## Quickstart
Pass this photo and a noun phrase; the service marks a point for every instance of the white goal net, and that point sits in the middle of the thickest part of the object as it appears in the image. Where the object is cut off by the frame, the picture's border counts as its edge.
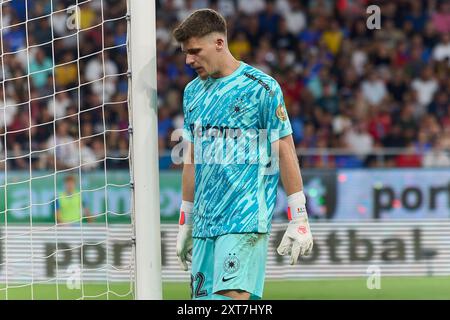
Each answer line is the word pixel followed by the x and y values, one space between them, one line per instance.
pixel 65 213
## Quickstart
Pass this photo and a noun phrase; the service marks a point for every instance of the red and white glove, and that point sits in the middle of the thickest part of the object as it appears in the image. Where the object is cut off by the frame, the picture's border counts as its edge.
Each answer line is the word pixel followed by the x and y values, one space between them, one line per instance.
pixel 184 237
pixel 297 240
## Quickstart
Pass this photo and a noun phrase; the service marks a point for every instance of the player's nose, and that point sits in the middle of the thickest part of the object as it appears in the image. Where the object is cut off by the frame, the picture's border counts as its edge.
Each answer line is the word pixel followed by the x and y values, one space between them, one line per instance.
pixel 189 60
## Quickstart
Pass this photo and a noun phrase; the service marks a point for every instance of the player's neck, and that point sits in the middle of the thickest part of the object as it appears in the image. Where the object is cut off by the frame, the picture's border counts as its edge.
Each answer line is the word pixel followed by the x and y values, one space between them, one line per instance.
pixel 229 65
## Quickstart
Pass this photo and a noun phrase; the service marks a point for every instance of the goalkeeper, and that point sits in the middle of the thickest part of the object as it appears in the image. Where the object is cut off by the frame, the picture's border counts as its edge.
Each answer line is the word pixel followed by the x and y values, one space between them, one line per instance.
pixel 226 212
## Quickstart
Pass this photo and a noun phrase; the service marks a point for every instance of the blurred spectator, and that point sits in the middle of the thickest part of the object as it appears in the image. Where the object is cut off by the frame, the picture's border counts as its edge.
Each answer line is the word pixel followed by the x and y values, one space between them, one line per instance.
pixel 333 37
pixel 321 7
pixel 284 39
pixel 292 87
pixel 185 10
pixel 59 19
pixel 425 87
pixel 437 156
pixel 417 16
pixel 409 159
pixel 441 18
pixel 430 125
pixel 240 46
pixel 441 51
pixel 374 89
pixel 251 7
pixel 295 16
pixel 269 18
pixel 429 35
pixel 87 16
pixel 63 147
pixel 329 100
pixel 379 123
pixel 18 161
pixel 101 70
pixel 14 36
pixel 407 123
pixel 394 138
pixel 40 68
pixel 226 7
pixel 359 59
pixel 311 34
pixel 439 105
pixel 342 122
pixel 98 150
pixel 422 144
pixel 57 107
pixel 358 140
pixel 88 158
pixel 66 72
pixel 8 109
pixel 397 86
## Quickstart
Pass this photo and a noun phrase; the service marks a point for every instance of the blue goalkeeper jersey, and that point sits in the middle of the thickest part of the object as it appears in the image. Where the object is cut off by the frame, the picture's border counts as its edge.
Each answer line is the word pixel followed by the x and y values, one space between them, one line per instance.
pixel 233 122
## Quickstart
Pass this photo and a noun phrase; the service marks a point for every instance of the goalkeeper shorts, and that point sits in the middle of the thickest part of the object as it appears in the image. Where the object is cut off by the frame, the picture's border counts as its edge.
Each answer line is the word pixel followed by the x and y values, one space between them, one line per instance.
pixel 229 262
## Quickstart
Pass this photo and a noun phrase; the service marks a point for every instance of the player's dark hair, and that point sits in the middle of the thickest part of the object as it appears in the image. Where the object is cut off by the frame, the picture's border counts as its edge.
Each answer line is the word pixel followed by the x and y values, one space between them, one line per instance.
pixel 200 23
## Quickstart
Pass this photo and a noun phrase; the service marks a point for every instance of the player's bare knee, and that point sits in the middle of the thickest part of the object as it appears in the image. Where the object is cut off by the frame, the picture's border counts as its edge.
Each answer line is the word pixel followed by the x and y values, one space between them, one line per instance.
pixel 235 294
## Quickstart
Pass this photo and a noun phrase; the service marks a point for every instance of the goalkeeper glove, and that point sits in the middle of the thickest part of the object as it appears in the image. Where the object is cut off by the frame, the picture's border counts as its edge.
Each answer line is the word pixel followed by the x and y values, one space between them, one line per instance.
pixel 297 240
pixel 184 237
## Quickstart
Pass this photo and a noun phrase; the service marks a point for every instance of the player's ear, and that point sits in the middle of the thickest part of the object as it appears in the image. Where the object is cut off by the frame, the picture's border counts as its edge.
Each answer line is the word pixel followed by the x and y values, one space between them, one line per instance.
pixel 220 43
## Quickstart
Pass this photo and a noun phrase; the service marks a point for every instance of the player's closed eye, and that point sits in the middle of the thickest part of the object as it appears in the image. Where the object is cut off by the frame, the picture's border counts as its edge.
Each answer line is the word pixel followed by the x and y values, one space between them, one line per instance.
pixel 192 51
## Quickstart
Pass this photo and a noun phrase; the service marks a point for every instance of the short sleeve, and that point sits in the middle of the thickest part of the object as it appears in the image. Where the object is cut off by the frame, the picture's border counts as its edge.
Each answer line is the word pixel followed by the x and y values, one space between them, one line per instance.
pixel 276 117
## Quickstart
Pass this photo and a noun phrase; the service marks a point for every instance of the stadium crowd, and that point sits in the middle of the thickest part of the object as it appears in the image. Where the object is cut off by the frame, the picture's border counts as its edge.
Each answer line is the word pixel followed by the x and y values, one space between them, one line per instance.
pixel 72 108
pixel 346 87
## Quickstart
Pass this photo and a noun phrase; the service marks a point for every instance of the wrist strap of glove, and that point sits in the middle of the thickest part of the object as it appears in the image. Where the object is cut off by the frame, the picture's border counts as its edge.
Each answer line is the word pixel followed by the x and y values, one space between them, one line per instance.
pixel 296 206
pixel 186 212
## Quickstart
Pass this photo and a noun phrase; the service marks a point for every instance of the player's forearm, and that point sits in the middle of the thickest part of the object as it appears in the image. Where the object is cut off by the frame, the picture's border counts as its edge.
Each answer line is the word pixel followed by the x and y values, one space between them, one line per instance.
pixel 188 176
pixel 188 182
pixel 290 174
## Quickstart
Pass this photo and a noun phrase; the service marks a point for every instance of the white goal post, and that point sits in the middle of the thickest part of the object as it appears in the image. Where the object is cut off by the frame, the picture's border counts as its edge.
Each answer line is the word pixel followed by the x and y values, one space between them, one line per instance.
pixel 144 157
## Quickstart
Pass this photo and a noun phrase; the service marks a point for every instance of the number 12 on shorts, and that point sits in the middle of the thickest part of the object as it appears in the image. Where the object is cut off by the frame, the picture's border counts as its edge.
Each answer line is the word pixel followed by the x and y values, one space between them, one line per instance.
pixel 197 282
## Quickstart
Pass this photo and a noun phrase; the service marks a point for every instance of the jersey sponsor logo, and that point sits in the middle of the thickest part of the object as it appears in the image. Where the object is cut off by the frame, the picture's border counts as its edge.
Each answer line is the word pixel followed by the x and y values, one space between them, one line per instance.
pixel 218 144
pixel 209 130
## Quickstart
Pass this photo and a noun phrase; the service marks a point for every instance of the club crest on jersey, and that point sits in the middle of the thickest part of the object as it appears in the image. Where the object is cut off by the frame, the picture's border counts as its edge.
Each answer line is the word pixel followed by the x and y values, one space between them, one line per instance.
pixel 231 263
pixel 238 104
pixel 281 113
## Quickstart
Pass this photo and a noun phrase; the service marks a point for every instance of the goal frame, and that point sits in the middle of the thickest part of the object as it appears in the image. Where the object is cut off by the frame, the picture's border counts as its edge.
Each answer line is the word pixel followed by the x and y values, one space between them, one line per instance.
pixel 144 148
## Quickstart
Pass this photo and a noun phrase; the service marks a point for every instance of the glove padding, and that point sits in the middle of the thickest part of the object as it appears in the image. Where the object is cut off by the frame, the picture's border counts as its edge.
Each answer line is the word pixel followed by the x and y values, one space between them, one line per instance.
pixel 184 245
pixel 297 240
